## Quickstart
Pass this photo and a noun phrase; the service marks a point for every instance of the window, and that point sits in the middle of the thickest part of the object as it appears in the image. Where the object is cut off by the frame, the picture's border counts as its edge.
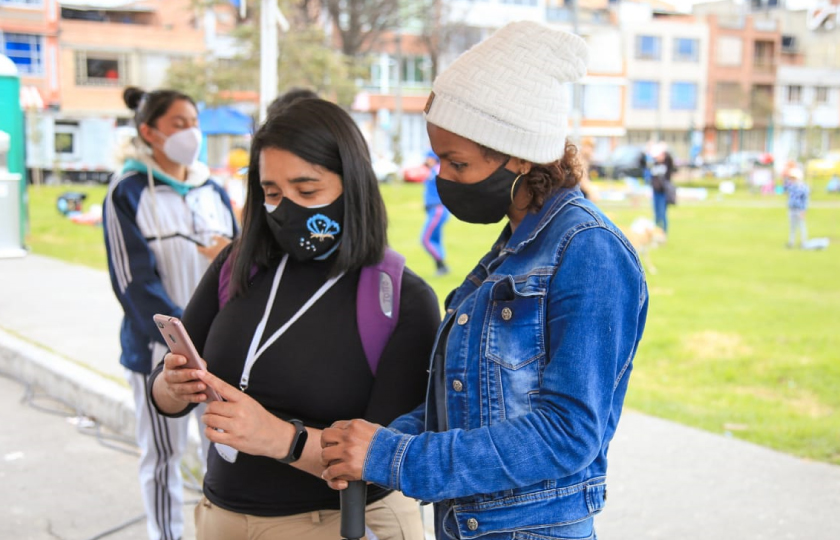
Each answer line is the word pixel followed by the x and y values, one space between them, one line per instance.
pixel 789 44
pixel 728 95
pixel 601 102
pixel 794 94
pixel 65 140
pixel 100 69
pixel 821 95
pixel 645 95
pixel 647 47
pixel 729 51
pixel 683 96
pixel 25 50
pixel 417 70
pixel 686 50
pixel 763 57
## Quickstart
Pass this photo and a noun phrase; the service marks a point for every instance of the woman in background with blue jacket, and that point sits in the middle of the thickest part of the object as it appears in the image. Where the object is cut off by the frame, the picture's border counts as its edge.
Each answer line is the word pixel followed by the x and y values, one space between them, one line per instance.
pixel 532 359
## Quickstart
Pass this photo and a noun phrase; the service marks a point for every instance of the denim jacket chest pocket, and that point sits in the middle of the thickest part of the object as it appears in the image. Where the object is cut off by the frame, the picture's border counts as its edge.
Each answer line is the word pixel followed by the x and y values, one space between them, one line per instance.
pixel 515 346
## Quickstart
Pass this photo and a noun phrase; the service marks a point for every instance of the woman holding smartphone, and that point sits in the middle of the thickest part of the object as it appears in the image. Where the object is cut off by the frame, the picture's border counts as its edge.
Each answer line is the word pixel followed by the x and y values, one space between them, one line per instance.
pixel 283 339
pixel 164 221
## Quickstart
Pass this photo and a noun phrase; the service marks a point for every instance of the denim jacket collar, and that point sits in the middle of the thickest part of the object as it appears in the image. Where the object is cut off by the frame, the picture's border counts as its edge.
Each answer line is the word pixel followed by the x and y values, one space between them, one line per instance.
pixel 533 223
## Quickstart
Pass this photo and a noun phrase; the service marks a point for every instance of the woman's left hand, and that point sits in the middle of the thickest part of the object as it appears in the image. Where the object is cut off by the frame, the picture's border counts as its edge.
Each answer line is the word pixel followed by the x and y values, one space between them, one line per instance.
pixel 212 250
pixel 245 424
pixel 344 450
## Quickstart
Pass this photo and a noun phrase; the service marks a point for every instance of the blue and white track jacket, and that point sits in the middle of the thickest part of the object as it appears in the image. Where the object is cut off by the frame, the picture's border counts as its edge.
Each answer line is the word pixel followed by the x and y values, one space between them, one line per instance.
pixel 151 238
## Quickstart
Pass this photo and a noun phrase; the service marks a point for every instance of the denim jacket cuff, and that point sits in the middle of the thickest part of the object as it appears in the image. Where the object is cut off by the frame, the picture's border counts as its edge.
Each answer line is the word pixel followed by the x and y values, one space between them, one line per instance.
pixel 386 448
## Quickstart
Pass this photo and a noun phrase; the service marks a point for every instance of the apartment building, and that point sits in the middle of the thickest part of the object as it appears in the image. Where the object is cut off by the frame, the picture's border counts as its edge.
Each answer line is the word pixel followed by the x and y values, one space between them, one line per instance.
pixel 80 56
pixel 398 88
pixel 803 117
pixel 667 73
pixel 808 83
pixel 29 37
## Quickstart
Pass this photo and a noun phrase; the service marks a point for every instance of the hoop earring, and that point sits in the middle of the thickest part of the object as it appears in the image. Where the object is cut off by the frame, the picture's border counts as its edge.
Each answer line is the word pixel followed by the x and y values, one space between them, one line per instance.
pixel 513 186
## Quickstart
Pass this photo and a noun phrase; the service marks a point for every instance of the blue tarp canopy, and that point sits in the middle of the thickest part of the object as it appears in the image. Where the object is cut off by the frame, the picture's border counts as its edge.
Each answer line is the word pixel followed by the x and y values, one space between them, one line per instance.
pixel 224 121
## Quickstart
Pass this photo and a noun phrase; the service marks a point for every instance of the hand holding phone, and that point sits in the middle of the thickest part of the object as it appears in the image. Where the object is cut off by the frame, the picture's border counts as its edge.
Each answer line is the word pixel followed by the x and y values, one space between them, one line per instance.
pixel 179 342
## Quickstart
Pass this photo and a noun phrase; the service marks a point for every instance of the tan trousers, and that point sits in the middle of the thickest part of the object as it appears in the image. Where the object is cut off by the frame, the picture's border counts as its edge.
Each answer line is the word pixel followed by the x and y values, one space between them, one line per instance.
pixel 395 517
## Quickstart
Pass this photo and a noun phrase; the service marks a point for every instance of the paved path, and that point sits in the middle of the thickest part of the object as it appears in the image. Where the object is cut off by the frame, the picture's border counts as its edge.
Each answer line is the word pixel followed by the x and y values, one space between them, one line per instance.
pixel 59 326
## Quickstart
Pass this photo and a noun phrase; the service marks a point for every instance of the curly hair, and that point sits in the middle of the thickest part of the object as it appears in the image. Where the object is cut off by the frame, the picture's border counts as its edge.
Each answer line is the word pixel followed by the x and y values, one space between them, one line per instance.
pixel 545 178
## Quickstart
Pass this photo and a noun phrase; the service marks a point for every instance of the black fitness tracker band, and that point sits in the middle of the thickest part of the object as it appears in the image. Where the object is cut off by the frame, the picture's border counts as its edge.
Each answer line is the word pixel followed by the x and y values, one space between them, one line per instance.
pixel 298 442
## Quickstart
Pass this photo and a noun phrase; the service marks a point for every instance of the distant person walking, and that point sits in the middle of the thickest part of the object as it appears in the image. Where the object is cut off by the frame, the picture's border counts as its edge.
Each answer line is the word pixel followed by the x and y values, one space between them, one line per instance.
pixel 660 172
pixel 164 221
pixel 798 195
pixel 436 216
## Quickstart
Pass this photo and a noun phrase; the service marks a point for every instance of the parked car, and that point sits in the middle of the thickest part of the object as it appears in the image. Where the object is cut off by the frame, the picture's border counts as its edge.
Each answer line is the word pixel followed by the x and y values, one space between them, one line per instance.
pixel 827 166
pixel 737 164
pixel 386 171
pixel 624 161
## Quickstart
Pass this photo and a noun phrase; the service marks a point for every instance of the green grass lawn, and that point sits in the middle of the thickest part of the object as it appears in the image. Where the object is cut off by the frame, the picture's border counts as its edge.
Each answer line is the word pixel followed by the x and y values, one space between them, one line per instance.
pixel 742 334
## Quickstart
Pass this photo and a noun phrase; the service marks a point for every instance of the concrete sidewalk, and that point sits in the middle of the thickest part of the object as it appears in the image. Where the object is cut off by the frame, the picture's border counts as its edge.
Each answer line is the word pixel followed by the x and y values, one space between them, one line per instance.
pixel 59 327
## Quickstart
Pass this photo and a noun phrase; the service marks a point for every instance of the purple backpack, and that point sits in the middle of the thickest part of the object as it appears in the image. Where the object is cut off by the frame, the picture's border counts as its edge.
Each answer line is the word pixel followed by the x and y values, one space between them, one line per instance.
pixel 377 302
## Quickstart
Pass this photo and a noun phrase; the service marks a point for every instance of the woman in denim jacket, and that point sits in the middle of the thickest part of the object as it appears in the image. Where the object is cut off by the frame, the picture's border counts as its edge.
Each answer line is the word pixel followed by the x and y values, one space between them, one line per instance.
pixel 532 360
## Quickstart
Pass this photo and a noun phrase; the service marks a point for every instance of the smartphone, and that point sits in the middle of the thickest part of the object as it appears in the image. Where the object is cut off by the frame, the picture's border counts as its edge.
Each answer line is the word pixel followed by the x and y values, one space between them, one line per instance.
pixel 179 342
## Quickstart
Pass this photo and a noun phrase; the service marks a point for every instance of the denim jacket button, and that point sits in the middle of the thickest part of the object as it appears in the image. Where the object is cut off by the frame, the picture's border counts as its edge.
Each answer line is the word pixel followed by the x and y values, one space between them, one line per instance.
pixel 450 310
pixel 462 320
pixel 457 385
pixel 507 314
pixel 472 524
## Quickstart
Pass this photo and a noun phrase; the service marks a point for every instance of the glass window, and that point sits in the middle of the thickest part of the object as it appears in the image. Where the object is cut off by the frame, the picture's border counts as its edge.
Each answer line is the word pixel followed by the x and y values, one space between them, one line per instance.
pixel 100 69
pixel 683 96
pixel 648 47
pixel 728 95
pixel 686 50
pixel 25 50
pixel 601 102
pixel 821 95
pixel 729 51
pixel 645 95
pixel 794 94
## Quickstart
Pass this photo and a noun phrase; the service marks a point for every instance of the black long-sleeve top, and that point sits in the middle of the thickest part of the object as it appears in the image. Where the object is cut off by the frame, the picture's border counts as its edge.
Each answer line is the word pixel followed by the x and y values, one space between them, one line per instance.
pixel 316 372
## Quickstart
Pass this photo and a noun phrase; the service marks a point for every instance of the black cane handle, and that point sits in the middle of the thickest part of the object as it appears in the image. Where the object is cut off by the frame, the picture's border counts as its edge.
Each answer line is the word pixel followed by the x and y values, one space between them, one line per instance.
pixel 353 501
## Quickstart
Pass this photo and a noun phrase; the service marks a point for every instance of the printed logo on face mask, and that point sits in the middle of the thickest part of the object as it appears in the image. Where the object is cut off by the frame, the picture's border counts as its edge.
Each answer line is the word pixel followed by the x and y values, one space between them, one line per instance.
pixel 306 233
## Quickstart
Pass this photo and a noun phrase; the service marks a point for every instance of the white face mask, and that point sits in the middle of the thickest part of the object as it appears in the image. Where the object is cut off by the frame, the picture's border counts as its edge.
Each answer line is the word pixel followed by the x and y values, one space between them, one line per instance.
pixel 184 146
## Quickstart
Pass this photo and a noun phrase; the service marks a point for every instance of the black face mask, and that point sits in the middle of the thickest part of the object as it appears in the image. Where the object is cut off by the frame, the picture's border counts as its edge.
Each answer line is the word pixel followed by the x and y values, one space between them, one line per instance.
pixel 306 233
pixel 483 202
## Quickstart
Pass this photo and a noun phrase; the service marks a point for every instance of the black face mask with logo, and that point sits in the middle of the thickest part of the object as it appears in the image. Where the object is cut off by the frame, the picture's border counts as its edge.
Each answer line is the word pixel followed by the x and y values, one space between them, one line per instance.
pixel 483 202
pixel 306 233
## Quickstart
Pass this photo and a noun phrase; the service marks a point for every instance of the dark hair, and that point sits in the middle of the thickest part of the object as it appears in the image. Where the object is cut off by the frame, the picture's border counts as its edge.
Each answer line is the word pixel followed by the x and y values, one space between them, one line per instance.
pixel 289 97
pixel 545 178
pixel 149 106
pixel 323 134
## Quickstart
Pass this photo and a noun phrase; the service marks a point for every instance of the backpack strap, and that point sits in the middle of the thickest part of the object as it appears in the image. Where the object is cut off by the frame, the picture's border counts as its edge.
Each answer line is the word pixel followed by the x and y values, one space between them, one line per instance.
pixel 378 304
pixel 377 301
pixel 225 273
pixel 224 282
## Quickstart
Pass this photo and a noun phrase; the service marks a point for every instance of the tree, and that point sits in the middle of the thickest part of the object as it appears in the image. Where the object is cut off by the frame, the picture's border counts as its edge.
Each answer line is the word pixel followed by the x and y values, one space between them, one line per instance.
pixel 305 59
pixel 360 23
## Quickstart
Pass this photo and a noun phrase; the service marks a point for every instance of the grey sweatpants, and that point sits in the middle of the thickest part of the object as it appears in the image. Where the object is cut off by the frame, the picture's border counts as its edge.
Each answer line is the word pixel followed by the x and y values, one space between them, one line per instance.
pixel 797 223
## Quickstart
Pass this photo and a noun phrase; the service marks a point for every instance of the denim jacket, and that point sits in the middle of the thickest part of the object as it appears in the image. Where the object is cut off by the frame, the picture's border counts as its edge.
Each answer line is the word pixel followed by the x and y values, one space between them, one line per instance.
pixel 541 342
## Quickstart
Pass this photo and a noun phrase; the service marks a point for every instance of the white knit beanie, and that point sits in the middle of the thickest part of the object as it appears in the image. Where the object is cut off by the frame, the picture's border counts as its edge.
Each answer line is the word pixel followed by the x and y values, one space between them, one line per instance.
pixel 509 92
